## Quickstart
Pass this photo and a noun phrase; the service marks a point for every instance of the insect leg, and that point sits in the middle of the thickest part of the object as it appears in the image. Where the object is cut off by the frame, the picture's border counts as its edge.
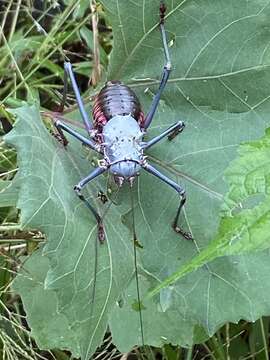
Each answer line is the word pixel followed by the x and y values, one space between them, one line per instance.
pixel 61 126
pixel 149 168
pixel 96 172
pixel 69 72
pixel 172 131
pixel 166 69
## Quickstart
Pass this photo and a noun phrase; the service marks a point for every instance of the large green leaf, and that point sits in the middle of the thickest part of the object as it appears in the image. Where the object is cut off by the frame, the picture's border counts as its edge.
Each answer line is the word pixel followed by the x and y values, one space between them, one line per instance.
pixel 47 175
pixel 220 87
pixel 245 223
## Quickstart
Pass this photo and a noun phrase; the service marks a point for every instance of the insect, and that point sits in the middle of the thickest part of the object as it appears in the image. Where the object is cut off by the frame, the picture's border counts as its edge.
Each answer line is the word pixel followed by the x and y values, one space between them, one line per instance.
pixel 117 132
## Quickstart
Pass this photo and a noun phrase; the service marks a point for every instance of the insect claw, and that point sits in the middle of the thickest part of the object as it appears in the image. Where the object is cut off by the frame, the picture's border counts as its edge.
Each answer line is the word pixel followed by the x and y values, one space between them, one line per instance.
pixel 101 233
pixel 187 235
pixel 162 10
pixel 62 139
pixel 59 136
pixel 176 132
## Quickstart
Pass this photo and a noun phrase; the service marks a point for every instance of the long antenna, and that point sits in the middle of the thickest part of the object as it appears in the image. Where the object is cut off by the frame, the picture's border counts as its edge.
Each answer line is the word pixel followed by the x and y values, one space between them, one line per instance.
pixel 135 241
pixel 97 242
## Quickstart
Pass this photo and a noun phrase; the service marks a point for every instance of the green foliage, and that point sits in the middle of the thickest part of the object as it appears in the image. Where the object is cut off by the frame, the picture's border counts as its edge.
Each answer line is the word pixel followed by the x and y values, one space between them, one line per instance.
pixel 245 222
pixel 33 42
pixel 32 57
pixel 49 327
pixel 48 203
pixel 220 87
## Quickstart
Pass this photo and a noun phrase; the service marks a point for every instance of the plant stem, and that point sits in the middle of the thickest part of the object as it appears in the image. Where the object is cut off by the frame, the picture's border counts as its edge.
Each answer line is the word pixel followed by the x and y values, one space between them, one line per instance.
pixel 264 339
pixel 218 348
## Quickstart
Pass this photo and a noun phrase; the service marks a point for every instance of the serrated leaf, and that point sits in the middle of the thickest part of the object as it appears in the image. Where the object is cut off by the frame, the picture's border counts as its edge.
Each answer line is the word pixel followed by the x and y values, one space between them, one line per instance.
pixel 49 327
pixel 245 225
pixel 47 175
pixel 219 86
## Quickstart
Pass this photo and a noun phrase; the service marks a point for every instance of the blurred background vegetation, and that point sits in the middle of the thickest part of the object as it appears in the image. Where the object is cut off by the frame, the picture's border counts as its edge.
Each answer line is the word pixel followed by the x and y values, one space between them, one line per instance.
pixel 36 37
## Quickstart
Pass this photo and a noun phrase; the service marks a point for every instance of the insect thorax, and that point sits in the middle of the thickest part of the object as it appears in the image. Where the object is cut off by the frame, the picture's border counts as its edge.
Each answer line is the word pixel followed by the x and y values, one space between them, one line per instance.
pixel 122 145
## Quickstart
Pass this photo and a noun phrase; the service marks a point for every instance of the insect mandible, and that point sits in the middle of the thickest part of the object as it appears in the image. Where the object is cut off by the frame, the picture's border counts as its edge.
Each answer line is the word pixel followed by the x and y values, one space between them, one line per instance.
pixel 117 132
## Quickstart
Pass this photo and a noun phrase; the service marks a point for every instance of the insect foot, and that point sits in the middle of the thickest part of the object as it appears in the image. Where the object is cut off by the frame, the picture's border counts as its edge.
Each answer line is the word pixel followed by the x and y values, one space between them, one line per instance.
pixel 58 134
pixel 187 235
pixel 101 233
pixel 162 10
pixel 175 226
pixel 177 131
pixel 59 138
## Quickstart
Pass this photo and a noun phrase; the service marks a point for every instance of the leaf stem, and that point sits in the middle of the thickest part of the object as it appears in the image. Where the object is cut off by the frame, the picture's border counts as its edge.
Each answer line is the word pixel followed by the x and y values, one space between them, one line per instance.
pixel 264 339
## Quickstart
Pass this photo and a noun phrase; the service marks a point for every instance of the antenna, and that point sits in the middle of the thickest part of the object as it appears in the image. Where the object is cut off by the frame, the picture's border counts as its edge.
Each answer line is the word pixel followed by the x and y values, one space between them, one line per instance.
pixel 135 241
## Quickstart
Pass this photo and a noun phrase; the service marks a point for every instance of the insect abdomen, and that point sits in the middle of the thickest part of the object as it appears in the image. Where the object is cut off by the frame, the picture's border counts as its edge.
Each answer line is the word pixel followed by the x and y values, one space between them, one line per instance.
pixel 114 99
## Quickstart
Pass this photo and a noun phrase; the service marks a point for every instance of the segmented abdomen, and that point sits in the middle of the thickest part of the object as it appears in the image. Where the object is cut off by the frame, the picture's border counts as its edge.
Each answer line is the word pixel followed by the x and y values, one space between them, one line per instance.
pixel 115 98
